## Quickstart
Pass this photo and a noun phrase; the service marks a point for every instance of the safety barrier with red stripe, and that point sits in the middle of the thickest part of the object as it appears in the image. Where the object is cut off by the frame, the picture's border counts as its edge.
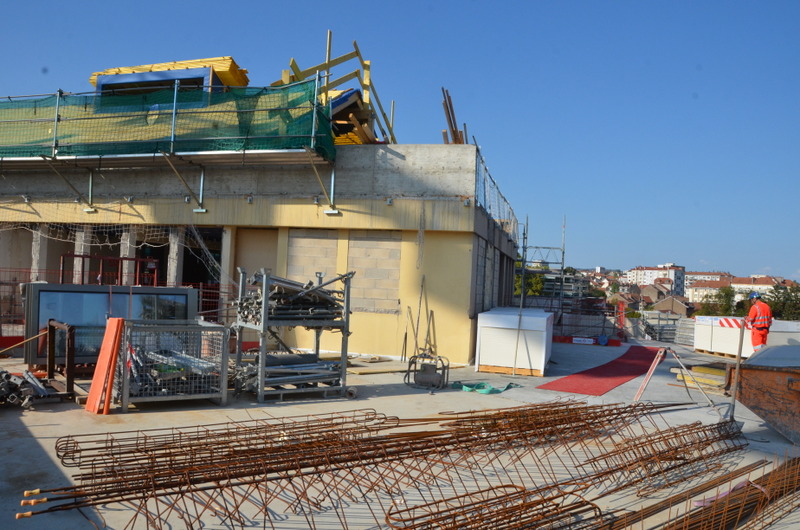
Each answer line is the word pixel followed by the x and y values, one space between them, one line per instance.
pixel 727 322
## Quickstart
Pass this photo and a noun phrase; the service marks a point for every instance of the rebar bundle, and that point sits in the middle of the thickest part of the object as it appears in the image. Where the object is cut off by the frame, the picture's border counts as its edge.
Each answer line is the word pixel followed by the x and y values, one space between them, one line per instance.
pixel 660 458
pixel 750 504
pixel 504 506
pixel 542 465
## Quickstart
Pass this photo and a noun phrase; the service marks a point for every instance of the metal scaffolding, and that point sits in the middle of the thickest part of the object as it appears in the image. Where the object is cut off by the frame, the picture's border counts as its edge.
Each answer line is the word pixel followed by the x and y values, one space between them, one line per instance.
pixel 280 303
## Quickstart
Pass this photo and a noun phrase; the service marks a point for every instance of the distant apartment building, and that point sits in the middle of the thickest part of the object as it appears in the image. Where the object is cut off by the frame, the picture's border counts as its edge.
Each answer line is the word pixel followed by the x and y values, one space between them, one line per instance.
pixel 651 275
pixel 695 276
pixel 701 290
pixel 759 283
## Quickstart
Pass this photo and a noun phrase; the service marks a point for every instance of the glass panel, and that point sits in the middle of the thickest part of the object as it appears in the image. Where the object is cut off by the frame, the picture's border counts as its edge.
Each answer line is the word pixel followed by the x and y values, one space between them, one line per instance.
pixel 75 309
pixel 119 305
pixel 171 307
pixel 143 307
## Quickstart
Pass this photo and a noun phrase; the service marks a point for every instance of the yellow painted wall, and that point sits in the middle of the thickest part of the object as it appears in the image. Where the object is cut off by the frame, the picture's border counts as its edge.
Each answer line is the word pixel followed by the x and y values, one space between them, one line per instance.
pixel 256 248
pixel 437 243
pixel 368 214
pixel 446 259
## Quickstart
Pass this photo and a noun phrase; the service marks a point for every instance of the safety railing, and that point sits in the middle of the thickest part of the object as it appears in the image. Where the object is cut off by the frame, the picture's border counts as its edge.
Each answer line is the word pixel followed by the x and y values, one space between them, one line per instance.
pixel 489 197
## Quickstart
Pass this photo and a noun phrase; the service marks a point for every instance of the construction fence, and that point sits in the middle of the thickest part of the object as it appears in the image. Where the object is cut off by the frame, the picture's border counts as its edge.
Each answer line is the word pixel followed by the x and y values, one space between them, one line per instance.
pixel 489 197
pixel 573 318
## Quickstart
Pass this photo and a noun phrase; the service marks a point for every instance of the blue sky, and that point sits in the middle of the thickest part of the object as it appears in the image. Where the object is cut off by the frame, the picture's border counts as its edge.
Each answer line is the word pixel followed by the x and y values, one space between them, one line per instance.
pixel 662 130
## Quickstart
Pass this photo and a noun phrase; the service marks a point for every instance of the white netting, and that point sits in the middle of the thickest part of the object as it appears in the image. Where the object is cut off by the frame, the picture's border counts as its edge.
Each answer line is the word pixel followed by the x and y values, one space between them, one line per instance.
pixel 211 263
pixel 96 236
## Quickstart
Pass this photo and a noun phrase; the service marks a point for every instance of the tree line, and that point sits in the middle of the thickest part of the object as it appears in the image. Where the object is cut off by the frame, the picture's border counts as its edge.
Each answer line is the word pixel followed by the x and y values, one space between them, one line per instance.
pixel 784 302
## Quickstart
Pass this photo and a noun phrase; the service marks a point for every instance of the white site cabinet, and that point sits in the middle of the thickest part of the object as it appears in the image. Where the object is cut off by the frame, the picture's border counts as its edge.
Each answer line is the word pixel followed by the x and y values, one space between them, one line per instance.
pixel 512 342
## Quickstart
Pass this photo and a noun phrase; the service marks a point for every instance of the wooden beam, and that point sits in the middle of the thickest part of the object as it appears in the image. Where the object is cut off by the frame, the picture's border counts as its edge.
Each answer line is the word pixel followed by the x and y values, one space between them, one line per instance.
pixel 363 132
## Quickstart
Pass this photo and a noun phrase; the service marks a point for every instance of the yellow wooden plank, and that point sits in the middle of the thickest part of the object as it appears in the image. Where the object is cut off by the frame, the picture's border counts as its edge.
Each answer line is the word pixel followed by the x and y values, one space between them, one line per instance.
pixel 357 370
pixel 709 370
pixel 702 380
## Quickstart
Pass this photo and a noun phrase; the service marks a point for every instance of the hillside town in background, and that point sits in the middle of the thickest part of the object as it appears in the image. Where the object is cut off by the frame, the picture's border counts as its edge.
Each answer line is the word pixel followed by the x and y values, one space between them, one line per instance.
pixel 667 288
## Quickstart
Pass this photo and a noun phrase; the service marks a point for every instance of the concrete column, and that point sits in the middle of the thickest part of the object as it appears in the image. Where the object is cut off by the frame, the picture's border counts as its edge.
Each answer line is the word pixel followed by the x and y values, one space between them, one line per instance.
pixel 228 273
pixel 40 245
pixel 177 239
pixel 83 239
pixel 228 256
pixel 6 241
pixel 127 249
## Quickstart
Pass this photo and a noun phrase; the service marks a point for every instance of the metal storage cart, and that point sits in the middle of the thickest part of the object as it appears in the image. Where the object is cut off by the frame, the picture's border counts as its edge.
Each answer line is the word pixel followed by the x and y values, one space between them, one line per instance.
pixel 273 302
pixel 171 360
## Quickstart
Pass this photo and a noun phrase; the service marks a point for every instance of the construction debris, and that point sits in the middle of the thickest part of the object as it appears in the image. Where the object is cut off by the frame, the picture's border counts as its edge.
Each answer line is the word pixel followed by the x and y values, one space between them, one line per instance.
pixel 172 361
pixel 20 390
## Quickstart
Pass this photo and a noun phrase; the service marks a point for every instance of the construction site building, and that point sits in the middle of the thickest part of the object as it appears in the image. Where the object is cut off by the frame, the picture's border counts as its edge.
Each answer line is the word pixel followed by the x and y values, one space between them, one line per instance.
pixel 179 174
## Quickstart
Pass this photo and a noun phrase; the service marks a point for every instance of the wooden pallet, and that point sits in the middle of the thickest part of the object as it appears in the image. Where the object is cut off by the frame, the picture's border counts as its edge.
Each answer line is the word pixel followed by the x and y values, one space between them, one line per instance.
pixel 717 354
pixel 508 370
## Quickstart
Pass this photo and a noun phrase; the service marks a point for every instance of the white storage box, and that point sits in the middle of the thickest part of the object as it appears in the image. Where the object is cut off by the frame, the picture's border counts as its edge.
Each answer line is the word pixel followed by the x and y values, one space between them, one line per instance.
pixel 509 344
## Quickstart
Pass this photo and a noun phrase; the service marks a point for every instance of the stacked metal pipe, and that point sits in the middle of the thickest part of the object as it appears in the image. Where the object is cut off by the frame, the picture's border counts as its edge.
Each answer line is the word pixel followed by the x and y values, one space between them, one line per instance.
pixel 290 300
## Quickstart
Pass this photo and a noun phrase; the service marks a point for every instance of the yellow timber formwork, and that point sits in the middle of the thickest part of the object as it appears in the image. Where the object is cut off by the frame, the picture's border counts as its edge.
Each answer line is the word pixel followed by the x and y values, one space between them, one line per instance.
pixel 224 67
pixel 363 75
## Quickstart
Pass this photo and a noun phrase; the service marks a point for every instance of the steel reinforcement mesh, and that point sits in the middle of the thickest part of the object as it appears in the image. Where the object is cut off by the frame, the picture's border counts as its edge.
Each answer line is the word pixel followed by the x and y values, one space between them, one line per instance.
pixel 189 120
pixel 562 464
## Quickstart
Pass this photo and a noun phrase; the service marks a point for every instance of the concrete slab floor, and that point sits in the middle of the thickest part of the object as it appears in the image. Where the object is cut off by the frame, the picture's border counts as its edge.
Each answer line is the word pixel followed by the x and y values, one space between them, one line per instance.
pixel 28 458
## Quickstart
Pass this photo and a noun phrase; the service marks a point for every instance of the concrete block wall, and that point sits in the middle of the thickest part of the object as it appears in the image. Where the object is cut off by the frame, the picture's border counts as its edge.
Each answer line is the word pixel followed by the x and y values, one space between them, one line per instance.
pixel 311 251
pixel 375 258
pixel 373 255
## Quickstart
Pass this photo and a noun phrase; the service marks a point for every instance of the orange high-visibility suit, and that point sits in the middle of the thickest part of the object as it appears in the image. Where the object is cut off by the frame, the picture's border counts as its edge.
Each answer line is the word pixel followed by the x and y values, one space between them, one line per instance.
pixel 758 320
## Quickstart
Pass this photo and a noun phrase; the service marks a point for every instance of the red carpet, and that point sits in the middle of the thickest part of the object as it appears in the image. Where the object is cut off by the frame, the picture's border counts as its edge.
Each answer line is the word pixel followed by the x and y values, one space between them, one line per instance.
pixel 599 380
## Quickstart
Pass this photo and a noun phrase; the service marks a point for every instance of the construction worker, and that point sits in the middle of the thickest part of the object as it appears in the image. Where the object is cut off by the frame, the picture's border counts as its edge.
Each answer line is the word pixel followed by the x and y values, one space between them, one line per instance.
pixel 758 321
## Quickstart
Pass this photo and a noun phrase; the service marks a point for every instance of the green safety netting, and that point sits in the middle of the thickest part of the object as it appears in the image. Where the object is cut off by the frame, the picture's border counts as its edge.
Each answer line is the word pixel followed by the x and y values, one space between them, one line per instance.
pixel 191 120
